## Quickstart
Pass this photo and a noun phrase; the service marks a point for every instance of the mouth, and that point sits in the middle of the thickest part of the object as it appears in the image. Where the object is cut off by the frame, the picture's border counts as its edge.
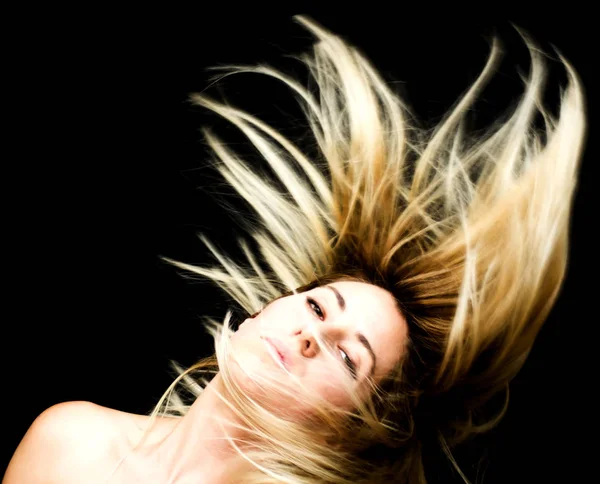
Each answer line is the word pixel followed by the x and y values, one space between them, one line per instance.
pixel 275 353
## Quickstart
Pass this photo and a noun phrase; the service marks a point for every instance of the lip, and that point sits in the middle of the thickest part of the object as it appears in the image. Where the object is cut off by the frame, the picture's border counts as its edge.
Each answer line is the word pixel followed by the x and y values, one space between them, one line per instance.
pixel 280 351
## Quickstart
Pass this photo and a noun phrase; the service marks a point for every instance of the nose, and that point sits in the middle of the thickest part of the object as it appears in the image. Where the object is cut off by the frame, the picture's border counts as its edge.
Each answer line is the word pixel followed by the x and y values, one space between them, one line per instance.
pixel 309 345
pixel 309 348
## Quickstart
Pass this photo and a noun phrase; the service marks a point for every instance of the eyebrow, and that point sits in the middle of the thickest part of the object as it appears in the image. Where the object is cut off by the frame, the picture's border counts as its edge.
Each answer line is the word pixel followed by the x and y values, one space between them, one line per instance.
pixel 361 337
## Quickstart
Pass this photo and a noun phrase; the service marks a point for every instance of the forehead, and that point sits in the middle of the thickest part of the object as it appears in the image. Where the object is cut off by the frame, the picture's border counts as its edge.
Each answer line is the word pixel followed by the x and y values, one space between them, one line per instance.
pixel 374 312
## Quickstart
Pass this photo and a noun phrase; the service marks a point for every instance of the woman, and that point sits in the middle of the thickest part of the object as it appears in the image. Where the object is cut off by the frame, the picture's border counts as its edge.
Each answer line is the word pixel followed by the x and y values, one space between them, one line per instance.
pixel 402 279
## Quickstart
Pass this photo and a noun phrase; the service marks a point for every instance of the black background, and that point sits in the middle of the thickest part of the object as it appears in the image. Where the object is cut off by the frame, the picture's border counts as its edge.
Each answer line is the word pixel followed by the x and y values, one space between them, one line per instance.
pixel 105 171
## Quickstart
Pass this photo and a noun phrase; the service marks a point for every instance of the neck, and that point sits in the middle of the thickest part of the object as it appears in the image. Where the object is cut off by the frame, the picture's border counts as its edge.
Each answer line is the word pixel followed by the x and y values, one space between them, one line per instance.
pixel 198 444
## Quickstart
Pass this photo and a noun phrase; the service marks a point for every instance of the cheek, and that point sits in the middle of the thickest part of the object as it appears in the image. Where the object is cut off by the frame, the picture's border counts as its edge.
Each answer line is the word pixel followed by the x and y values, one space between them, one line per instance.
pixel 251 355
pixel 279 316
pixel 329 384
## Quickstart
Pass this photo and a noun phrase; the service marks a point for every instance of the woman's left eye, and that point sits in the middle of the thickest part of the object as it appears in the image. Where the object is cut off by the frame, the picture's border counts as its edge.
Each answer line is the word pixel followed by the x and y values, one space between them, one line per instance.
pixel 349 363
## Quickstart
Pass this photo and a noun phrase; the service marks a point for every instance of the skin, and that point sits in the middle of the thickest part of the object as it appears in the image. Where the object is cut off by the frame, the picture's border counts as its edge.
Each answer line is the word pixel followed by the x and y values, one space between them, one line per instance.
pixel 192 448
pixel 366 308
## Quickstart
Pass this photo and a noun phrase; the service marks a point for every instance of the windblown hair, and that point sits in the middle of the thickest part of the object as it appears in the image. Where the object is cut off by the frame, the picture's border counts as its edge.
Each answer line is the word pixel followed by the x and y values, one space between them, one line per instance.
pixel 468 233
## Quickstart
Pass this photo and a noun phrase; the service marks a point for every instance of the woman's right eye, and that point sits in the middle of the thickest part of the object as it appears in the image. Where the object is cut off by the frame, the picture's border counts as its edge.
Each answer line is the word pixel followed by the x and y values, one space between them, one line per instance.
pixel 315 308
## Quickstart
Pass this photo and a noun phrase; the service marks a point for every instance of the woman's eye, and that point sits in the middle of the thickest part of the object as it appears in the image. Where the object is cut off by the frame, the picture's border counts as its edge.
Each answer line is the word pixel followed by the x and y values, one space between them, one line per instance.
pixel 351 366
pixel 315 308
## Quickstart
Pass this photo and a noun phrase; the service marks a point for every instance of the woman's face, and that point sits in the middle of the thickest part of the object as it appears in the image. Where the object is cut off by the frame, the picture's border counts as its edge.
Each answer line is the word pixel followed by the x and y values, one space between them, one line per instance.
pixel 358 321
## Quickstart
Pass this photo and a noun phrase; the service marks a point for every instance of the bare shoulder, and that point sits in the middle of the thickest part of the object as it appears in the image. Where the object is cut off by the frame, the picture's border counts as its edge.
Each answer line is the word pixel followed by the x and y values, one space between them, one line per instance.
pixel 63 442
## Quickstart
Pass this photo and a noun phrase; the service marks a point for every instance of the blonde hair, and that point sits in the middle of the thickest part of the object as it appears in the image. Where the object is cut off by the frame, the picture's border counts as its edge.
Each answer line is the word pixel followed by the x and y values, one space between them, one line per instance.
pixel 469 233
